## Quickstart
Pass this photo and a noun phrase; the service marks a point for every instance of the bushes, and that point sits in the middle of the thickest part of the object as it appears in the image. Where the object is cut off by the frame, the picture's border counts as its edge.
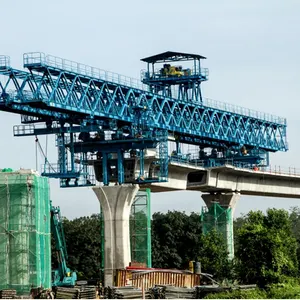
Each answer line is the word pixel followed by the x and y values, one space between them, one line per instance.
pixel 278 291
pixel 239 294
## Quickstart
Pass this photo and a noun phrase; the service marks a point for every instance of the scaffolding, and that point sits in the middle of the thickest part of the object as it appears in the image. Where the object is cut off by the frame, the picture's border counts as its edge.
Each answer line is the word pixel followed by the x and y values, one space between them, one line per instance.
pixel 220 219
pixel 140 229
pixel 25 236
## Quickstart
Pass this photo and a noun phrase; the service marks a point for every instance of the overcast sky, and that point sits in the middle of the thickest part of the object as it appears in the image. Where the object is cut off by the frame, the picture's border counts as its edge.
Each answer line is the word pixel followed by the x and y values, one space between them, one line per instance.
pixel 252 49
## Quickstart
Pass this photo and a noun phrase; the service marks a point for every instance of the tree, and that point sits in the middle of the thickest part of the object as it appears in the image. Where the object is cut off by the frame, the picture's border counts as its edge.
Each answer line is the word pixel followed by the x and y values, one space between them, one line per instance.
pixel 83 245
pixel 214 256
pixel 266 248
pixel 295 222
pixel 177 239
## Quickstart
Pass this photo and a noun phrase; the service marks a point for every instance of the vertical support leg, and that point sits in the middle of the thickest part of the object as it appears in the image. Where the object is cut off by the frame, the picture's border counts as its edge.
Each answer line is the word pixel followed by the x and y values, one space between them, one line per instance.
pixel 142 163
pixel 227 201
pixel 115 203
pixel 121 176
pixel 72 152
pixel 105 168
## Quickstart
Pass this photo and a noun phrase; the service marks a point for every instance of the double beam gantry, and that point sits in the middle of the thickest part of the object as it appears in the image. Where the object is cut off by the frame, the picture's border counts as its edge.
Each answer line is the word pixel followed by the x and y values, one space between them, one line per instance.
pixel 119 131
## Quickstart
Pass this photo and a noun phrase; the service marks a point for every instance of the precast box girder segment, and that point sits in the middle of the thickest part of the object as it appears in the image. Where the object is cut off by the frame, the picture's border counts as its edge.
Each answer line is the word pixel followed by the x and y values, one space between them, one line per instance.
pixel 61 89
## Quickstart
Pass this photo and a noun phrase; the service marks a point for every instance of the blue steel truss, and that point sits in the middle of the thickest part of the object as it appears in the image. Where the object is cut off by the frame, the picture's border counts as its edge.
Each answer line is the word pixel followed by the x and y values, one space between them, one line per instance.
pixel 76 97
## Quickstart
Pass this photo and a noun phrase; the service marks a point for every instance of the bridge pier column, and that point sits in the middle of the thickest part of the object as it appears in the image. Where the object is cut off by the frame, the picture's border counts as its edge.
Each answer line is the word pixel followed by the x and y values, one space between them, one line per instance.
pixel 116 203
pixel 227 201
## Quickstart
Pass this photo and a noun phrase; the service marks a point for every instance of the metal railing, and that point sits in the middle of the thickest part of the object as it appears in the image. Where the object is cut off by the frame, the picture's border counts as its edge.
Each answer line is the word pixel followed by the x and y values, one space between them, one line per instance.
pixel 272 169
pixel 21 130
pixel 158 74
pixel 4 62
pixel 243 111
pixel 56 168
pixel 280 170
pixel 39 58
pixel 186 161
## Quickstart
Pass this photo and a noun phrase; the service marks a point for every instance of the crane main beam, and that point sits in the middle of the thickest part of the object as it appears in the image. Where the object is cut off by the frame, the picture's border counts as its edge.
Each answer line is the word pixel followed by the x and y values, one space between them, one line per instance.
pixel 64 92
pixel 73 101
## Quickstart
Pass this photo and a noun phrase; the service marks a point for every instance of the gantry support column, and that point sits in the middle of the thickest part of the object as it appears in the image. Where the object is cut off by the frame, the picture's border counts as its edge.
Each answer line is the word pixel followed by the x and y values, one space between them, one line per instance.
pixel 228 200
pixel 116 203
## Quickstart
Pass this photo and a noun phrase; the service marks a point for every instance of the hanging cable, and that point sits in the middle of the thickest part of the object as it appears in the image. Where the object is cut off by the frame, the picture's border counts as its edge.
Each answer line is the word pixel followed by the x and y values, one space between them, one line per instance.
pixel 43 153
pixel 36 156
pixel 46 146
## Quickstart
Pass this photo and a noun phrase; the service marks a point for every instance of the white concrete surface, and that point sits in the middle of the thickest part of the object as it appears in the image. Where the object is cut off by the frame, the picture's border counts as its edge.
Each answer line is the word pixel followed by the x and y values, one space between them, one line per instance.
pixel 116 203
pixel 177 179
pixel 222 184
pixel 247 182
pixel 228 200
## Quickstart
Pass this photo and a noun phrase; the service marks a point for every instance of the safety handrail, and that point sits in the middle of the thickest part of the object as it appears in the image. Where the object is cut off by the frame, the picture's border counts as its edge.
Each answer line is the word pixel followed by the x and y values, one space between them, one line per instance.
pixel 276 169
pixel 4 61
pixel 33 58
pixel 145 75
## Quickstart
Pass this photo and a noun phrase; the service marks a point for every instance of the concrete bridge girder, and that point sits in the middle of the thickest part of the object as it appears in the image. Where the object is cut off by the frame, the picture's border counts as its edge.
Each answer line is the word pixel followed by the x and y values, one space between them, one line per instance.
pixel 246 182
pixel 221 184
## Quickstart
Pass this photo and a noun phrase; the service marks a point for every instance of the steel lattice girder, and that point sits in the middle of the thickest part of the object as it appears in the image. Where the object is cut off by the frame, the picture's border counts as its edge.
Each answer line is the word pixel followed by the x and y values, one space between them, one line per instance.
pixel 63 92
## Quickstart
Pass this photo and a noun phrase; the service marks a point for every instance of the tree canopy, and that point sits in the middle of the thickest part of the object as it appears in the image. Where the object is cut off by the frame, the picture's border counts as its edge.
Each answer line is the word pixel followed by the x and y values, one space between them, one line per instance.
pixel 266 248
pixel 267 245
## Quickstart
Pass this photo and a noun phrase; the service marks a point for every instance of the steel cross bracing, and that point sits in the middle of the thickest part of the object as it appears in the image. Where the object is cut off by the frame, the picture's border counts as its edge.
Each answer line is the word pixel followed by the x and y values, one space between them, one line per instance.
pixel 68 92
pixel 56 91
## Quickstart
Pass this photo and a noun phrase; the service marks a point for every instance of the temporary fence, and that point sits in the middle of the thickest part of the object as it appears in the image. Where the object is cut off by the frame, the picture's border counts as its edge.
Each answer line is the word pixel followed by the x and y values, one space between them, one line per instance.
pixel 148 278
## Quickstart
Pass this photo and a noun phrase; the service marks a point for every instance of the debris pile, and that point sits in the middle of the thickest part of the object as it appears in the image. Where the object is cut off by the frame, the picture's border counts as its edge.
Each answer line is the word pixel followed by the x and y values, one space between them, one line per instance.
pixel 126 292
pixel 67 293
pixel 171 292
pixel 87 292
pixel 8 294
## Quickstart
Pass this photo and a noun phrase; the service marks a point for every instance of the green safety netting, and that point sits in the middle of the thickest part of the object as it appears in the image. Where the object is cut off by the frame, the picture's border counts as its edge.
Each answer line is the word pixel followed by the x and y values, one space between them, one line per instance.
pixel 220 219
pixel 140 229
pixel 25 236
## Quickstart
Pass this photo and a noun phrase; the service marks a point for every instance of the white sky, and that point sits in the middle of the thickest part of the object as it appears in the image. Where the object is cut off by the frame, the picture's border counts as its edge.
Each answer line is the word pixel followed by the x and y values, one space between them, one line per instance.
pixel 253 58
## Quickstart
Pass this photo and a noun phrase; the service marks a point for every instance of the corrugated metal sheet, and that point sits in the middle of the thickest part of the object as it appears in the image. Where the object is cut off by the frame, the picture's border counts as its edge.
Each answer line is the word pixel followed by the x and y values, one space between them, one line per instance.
pixel 150 278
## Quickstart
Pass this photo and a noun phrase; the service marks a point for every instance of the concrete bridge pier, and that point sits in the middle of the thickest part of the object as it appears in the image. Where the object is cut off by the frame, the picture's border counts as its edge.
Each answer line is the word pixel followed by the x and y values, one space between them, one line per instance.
pixel 116 203
pixel 226 200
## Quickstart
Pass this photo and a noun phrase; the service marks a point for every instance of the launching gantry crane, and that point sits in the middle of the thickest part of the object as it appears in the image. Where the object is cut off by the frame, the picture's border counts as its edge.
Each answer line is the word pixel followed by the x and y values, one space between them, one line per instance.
pixel 121 128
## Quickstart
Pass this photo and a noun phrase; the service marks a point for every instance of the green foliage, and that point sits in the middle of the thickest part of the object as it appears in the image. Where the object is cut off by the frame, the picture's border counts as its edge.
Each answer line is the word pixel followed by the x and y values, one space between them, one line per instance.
pixel 239 294
pixel 275 291
pixel 286 290
pixel 266 249
pixel 177 239
pixel 295 221
pixel 214 256
pixel 83 246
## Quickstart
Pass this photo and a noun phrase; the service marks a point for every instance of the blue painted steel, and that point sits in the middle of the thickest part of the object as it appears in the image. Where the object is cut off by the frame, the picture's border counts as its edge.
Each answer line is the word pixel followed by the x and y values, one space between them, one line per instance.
pixel 69 97
pixel 67 92
pixel 174 81
pixel 63 276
